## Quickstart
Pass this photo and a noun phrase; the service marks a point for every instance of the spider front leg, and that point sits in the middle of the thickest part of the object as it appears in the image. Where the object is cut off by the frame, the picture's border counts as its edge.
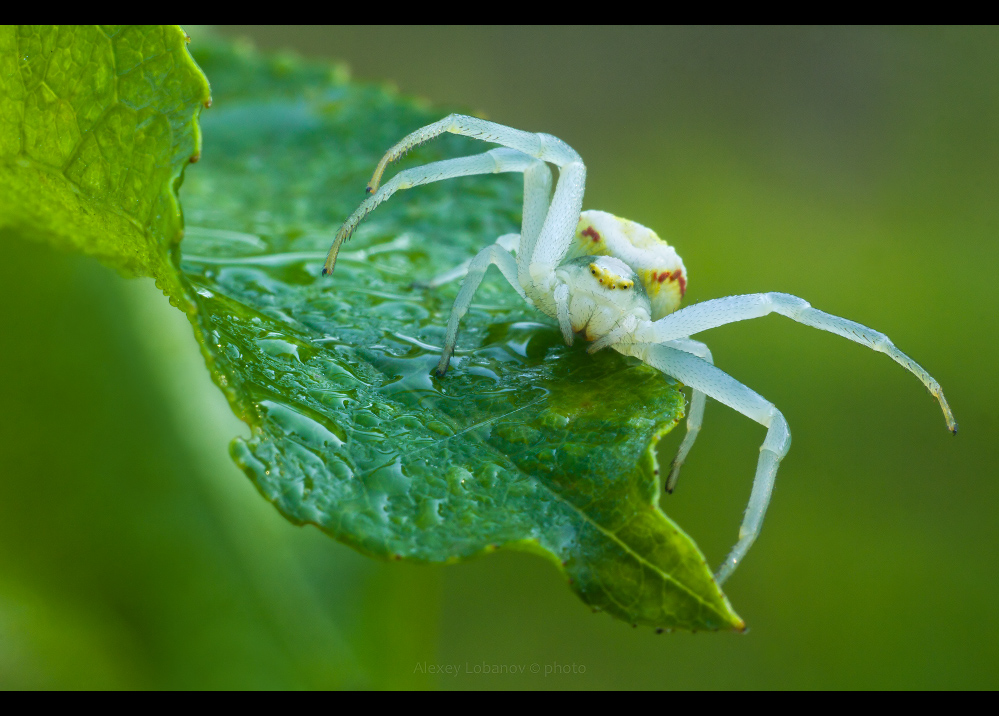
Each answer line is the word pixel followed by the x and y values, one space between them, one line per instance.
pixel 546 233
pixel 495 161
pixel 541 146
pixel 709 380
pixel 559 222
pixel 719 311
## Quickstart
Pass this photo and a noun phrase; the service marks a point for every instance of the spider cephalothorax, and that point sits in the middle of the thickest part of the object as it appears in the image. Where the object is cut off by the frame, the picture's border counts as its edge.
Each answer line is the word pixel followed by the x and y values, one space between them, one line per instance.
pixel 597 303
pixel 615 283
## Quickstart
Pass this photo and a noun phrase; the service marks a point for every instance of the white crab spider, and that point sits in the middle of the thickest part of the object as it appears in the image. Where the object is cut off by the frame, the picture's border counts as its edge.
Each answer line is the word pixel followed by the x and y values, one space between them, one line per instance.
pixel 616 283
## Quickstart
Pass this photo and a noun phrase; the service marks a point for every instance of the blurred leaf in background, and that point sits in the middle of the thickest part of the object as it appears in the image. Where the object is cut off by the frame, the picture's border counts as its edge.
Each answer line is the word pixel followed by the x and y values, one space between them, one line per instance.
pixel 97 126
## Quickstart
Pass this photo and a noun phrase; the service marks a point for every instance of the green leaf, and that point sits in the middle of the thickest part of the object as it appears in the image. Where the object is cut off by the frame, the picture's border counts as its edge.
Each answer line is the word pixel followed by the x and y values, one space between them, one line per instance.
pixel 96 127
pixel 525 444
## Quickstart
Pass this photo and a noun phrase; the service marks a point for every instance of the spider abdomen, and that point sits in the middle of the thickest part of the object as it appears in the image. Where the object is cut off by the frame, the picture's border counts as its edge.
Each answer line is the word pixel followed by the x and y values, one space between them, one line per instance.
pixel 657 265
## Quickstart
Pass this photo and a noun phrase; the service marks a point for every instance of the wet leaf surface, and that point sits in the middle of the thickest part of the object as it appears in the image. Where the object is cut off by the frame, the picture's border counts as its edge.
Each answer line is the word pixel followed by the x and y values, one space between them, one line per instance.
pixel 525 444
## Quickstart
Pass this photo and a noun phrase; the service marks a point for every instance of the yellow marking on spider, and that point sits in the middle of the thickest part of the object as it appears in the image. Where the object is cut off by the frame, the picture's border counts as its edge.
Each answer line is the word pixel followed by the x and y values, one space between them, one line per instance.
pixel 609 279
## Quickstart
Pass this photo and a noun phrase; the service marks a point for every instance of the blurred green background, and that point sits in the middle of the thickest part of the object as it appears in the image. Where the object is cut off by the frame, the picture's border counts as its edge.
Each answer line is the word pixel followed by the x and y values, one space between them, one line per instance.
pixel 856 168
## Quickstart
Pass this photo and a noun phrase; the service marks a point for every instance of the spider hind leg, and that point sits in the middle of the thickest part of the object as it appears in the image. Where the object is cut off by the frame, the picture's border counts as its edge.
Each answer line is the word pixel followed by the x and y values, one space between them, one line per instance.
pixel 705 377
pixel 695 416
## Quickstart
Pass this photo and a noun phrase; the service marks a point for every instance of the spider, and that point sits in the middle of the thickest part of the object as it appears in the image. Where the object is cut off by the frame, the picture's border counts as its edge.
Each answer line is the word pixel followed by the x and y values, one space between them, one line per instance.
pixel 615 283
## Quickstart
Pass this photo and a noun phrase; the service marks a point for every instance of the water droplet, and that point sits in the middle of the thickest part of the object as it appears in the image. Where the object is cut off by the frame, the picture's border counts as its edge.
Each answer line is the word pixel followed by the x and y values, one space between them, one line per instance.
pixel 278 348
pixel 429 514
pixel 306 429
pixel 388 478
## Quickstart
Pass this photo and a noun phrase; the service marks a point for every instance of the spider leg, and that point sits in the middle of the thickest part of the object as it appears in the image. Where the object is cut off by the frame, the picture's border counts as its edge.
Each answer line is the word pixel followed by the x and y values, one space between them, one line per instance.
pixel 544 255
pixel 541 146
pixel 537 197
pixel 556 234
pixel 561 297
pixel 537 194
pixel 507 242
pixel 540 253
pixel 695 417
pixel 706 378
pixel 495 161
pixel 624 327
pixel 558 230
pixel 718 312
pixel 492 254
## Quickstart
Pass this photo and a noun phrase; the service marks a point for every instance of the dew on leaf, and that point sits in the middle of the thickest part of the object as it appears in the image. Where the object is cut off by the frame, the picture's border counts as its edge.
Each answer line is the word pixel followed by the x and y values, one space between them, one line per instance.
pixel 524 443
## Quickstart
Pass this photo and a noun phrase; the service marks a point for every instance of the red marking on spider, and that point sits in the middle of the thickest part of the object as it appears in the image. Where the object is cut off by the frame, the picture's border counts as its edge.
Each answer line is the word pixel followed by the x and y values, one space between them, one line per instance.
pixel 592 233
pixel 673 276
